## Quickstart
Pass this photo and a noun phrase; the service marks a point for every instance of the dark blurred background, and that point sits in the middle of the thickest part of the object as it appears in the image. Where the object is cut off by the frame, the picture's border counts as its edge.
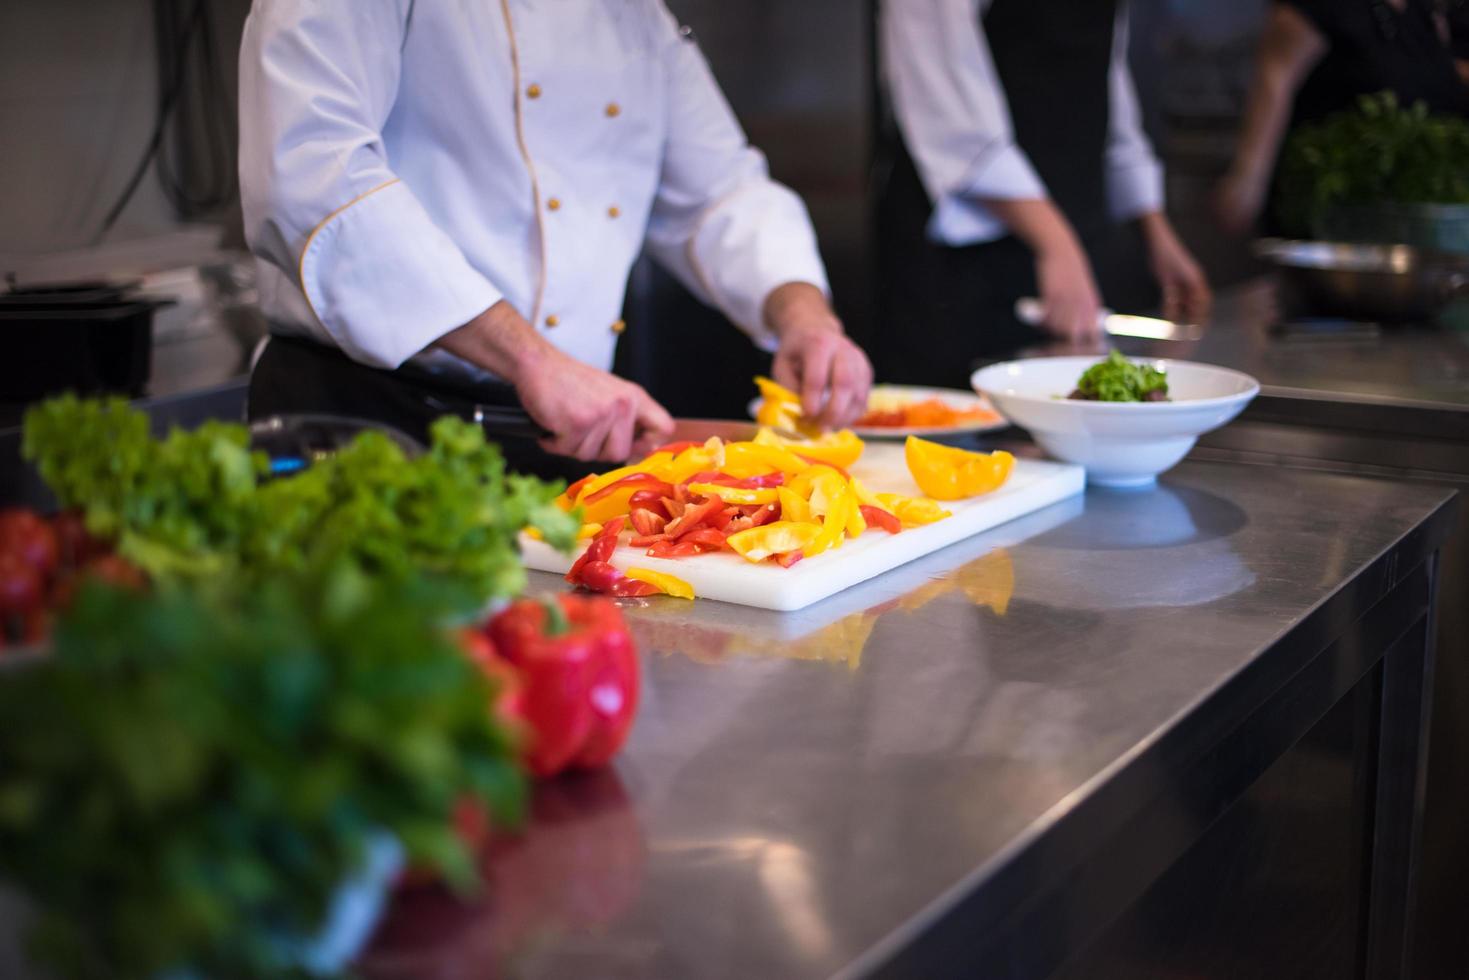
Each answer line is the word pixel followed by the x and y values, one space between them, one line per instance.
pixel 80 101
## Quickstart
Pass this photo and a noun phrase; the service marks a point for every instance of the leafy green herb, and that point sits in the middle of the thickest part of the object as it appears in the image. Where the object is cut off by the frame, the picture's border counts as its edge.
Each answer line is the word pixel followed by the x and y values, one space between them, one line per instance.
pixel 1379 152
pixel 195 506
pixel 189 777
pixel 1119 380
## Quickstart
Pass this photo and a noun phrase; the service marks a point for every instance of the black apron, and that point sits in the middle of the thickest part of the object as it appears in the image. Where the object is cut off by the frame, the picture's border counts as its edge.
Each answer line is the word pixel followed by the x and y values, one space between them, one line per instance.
pixel 298 376
pixel 945 309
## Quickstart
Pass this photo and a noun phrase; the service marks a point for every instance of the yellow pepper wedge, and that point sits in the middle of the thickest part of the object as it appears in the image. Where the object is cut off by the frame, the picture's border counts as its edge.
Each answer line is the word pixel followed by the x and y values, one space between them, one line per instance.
pixel 946 473
pixel 668 584
pixel 759 543
pixel 736 495
pixel 793 506
pixel 837 448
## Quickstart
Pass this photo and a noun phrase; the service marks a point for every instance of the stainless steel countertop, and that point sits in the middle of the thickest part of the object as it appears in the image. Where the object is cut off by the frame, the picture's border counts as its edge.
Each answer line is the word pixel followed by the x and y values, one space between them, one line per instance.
pixel 803 793
pixel 1413 379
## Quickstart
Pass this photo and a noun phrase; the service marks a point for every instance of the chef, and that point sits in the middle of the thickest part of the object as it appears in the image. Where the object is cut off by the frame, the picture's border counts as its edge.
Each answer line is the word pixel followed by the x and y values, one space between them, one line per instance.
pixel 1018 167
pixel 448 197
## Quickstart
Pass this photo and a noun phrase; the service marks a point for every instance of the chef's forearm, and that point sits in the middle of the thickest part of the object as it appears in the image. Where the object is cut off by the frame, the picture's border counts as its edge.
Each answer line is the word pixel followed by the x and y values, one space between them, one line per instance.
pixel 1037 222
pixel 499 340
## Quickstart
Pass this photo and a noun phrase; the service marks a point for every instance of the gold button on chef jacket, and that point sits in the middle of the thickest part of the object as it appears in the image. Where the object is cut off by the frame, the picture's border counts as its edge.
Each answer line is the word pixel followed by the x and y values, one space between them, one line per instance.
pixel 397 181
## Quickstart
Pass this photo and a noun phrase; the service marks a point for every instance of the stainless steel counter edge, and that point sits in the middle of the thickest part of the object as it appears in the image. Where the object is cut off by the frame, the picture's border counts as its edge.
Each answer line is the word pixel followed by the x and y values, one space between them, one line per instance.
pixel 1076 828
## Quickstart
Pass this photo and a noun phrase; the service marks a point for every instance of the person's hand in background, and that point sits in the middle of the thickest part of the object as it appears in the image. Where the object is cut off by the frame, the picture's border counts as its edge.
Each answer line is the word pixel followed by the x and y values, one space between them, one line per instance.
pixel 816 358
pixel 1239 199
pixel 591 415
pixel 1186 295
pixel 1063 275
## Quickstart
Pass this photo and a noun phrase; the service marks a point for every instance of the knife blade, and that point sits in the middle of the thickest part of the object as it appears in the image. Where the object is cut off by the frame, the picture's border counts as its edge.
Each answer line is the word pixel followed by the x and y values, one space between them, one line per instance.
pixel 1031 311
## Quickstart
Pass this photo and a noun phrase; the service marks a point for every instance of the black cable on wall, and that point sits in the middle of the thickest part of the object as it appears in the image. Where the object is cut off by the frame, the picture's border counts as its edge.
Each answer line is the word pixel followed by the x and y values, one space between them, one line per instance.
pixel 191 138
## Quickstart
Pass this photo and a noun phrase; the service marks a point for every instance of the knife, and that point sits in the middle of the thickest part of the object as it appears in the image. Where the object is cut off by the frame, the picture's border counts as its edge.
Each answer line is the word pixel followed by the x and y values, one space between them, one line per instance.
pixel 1031 311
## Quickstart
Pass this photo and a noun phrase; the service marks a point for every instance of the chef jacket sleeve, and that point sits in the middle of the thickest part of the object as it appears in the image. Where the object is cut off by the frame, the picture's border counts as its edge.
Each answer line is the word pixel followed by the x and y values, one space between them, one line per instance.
pixel 317 81
pixel 719 223
pixel 1134 175
pixel 951 110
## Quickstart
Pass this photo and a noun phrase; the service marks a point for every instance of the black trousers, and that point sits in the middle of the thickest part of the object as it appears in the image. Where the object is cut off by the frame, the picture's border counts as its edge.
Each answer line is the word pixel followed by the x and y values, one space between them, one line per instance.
pixel 298 376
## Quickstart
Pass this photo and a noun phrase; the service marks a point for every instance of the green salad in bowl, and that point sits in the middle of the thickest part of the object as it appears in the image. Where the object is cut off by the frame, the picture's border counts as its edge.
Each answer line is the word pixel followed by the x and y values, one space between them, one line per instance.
pixel 1119 380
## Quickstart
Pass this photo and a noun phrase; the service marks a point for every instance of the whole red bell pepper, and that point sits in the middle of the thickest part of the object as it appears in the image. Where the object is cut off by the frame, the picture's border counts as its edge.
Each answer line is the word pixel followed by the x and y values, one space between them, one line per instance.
pixel 579 676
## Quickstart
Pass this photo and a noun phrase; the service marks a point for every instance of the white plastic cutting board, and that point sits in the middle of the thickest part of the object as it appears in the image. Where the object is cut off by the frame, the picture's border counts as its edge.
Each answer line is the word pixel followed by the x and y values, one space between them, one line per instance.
pixel 1033 484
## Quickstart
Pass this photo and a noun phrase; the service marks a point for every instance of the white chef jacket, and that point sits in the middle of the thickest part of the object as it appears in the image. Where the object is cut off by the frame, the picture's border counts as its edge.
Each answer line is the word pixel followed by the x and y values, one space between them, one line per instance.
pixel 951 110
pixel 405 164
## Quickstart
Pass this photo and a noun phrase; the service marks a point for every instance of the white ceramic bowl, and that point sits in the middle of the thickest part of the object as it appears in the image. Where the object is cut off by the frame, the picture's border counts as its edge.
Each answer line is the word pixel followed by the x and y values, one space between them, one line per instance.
pixel 1121 444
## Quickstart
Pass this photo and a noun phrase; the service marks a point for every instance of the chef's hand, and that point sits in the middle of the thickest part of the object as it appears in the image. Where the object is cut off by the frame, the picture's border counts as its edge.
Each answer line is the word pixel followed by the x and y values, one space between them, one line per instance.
pixel 592 415
pixel 1186 295
pixel 815 357
pixel 1068 291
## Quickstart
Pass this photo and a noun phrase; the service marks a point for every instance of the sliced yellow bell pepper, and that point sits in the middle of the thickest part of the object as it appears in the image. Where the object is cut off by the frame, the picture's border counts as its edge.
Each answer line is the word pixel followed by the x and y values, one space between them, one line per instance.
pixel 669 584
pixel 793 506
pixel 837 448
pixel 759 543
pixel 947 473
pixel 867 497
pixel 824 486
pixel 744 459
pixel 780 407
pixel 736 495
pixel 839 510
pixel 912 510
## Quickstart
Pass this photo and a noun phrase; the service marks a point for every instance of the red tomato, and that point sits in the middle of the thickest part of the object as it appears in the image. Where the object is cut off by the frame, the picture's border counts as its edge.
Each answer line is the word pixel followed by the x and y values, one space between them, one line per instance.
pixel 877 517
pixel 21 592
pixel 74 543
pixel 26 534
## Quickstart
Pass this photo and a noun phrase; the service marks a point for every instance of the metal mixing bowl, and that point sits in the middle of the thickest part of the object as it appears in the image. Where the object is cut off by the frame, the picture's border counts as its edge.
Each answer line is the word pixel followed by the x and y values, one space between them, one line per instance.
pixel 1379 282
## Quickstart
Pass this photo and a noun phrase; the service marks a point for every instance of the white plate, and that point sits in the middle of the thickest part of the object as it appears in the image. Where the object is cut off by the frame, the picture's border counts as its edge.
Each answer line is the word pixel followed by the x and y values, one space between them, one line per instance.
pixel 1120 443
pixel 953 397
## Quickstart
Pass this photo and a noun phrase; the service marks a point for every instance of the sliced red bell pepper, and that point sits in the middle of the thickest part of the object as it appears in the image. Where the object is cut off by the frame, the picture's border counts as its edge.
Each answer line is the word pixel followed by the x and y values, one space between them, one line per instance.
pixel 719 520
pixel 694 516
pixel 601 548
pixel 649 500
pixel 789 558
pixel 599 576
pixel 644 481
pixel 673 549
pixel 705 537
pixel 877 517
pixel 764 514
pixel 579 668
pixel 576 487
pixel 647 522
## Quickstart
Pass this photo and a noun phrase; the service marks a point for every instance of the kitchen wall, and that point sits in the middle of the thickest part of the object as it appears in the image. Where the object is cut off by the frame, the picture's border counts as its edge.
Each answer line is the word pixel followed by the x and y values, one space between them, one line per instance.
pixel 78 95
